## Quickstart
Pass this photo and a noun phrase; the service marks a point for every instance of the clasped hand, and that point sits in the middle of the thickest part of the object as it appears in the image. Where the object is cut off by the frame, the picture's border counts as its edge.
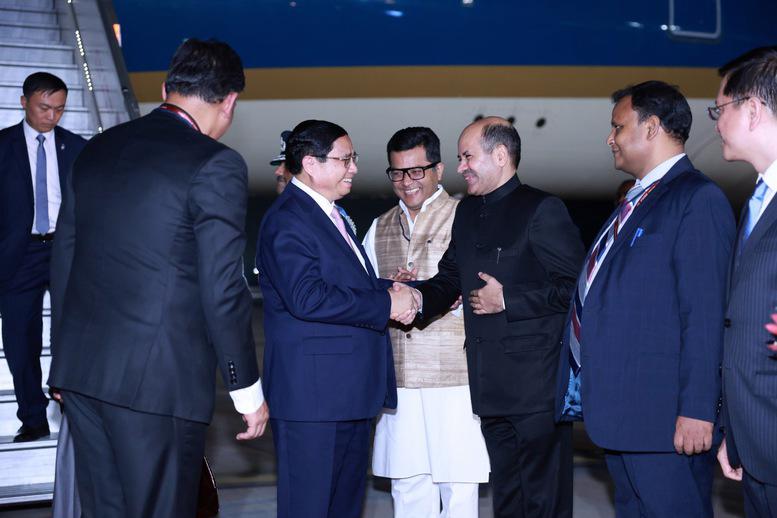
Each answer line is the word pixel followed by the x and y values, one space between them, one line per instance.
pixel 405 303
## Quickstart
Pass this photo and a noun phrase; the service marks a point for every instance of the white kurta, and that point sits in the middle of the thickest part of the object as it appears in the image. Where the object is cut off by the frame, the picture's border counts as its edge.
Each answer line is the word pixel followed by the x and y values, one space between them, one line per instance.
pixel 433 431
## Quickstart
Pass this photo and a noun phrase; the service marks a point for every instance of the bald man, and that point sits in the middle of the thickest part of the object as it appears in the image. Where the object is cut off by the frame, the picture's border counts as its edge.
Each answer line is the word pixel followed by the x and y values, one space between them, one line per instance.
pixel 514 254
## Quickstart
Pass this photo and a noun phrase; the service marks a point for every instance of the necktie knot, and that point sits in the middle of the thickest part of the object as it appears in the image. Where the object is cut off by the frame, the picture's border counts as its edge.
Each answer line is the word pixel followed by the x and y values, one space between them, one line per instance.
pixel 40 138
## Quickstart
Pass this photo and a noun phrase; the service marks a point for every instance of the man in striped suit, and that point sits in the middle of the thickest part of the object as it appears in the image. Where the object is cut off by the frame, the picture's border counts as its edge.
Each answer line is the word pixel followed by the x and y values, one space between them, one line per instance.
pixel 745 112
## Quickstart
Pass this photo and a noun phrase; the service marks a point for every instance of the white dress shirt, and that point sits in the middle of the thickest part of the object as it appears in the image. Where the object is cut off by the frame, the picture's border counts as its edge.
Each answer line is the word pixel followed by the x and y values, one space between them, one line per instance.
pixel 54 190
pixel 769 177
pixel 327 207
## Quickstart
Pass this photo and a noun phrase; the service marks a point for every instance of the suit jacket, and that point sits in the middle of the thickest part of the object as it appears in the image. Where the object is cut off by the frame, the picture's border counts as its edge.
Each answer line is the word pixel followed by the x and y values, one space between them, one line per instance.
pixel 525 239
pixel 148 259
pixel 749 368
pixel 327 354
pixel 17 205
pixel 649 353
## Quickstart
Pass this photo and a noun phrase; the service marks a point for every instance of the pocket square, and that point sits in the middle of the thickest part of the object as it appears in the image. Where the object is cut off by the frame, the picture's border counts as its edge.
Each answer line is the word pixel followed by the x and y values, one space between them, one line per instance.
pixel 637 234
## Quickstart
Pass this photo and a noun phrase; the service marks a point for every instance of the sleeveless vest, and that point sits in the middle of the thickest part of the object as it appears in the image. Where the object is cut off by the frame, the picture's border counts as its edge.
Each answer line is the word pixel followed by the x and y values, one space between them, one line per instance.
pixel 434 356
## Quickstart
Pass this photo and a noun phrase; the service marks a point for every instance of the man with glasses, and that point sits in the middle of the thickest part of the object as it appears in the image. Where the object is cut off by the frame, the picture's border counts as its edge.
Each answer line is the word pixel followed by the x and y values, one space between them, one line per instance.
pixel 745 112
pixel 328 366
pixel 514 254
pixel 431 445
pixel 639 363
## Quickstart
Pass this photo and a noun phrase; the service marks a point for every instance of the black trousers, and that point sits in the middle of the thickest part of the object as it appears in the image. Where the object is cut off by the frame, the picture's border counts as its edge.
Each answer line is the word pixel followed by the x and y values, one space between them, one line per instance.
pixel 531 465
pixel 21 304
pixel 131 464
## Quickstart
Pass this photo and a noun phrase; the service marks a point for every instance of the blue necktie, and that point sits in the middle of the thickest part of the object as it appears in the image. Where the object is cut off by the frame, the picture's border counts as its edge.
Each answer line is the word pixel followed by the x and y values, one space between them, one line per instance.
pixel 754 208
pixel 41 190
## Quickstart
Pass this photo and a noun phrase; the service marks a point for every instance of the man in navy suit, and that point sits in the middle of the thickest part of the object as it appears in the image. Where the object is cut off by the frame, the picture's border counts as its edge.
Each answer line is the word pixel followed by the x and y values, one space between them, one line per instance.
pixel 744 112
pixel 35 159
pixel 328 367
pixel 638 362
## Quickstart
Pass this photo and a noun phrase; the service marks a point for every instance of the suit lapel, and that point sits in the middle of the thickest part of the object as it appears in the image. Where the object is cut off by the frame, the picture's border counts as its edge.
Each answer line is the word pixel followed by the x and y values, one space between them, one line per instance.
pixel 19 145
pixel 642 210
pixel 59 142
pixel 764 223
pixel 324 225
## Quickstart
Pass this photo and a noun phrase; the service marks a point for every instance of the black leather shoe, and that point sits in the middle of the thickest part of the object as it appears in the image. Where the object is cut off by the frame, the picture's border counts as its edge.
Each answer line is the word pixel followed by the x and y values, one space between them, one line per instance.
pixel 30 433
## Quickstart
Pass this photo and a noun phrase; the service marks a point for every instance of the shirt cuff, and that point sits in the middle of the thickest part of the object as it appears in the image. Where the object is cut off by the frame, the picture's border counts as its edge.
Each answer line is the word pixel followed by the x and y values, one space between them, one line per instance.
pixel 248 400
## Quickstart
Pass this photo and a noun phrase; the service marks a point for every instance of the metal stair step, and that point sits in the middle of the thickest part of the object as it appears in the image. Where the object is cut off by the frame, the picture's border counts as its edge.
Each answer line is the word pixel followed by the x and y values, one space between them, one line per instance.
pixel 27 463
pixel 37 52
pixel 30 32
pixel 29 5
pixel 10 94
pixel 26 493
pixel 38 17
pixel 17 71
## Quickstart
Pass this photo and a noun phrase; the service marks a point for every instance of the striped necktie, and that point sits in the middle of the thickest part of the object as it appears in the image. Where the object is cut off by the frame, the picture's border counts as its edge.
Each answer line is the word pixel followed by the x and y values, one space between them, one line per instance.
pixel 633 198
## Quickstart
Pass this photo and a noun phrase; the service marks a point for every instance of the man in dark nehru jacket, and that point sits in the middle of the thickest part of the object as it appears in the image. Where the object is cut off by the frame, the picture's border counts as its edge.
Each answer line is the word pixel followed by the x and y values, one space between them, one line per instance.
pixel 149 258
pixel 35 160
pixel 514 254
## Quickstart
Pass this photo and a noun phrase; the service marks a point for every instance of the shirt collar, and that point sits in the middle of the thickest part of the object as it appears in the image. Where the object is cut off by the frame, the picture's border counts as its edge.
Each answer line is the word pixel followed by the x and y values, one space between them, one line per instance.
pixel 770 176
pixel 31 133
pixel 425 204
pixel 320 200
pixel 500 192
pixel 659 171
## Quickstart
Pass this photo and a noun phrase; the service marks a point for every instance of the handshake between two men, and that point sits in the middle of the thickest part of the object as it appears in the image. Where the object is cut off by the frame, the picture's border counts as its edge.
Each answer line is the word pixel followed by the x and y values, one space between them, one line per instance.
pixel 405 303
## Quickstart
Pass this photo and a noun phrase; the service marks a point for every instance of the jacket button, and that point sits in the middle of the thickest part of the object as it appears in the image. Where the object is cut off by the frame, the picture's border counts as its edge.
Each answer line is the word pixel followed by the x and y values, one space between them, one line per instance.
pixel 410 264
pixel 478 340
pixel 726 322
pixel 407 336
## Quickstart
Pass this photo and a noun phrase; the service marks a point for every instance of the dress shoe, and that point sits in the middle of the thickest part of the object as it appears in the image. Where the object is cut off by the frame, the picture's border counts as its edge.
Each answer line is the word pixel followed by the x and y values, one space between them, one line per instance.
pixel 30 433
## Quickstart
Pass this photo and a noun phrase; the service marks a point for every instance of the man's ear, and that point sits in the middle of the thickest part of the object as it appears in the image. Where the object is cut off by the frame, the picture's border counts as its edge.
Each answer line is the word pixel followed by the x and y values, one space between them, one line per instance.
pixel 755 112
pixel 228 104
pixel 500 155
pixel 164 92
pixel 652 125
pixel 308 164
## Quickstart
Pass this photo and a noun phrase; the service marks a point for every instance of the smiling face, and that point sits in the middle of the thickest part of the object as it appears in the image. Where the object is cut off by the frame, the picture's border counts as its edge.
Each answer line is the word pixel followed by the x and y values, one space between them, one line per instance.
pixel 628 139
pixel 414 192
pixel 44 109
pixel 478 168
pixel 331 178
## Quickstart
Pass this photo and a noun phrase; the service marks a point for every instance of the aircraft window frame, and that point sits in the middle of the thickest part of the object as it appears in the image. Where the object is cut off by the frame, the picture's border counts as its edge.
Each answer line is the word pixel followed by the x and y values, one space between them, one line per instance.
pixel 676 31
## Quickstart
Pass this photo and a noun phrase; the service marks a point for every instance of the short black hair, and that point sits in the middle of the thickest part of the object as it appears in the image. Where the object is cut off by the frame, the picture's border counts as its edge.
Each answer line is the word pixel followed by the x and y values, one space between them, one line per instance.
pixel 210 70
pixel 753 74
pixel 42 82
pixel 506 135
pixel 311 138
pixel 662 100
pixel 410 138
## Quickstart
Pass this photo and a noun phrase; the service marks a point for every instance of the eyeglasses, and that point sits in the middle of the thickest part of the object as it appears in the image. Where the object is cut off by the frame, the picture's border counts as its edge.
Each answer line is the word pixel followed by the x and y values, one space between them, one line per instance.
pixel 346 160
pixel 414 173
pixel 714 111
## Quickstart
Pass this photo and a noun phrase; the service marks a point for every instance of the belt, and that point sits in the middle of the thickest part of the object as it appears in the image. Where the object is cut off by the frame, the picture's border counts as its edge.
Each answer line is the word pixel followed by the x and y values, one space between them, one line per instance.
pixel 42 237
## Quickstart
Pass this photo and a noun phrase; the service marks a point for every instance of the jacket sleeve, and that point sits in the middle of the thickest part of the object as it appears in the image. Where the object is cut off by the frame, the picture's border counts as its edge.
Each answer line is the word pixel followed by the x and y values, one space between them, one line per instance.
pixel 555 241
pixel 217 202
pixel 700 258
pixel 288 257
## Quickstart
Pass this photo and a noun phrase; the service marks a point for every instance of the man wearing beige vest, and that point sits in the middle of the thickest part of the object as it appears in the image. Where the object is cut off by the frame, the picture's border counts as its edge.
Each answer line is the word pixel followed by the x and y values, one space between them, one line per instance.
pixel 431 445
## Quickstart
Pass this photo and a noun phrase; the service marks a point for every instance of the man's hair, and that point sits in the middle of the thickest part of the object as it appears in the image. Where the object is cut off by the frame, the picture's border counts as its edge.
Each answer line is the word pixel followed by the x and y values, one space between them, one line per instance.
pixel 210 70
pixel 311 138
pixel 410 138
pixel 502 134
pixel 662 100
pixel 753 74
pixel 42 82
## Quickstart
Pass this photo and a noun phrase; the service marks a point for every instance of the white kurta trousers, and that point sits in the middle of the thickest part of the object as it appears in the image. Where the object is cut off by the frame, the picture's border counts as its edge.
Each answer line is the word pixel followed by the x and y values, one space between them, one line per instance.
pixel 432 449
